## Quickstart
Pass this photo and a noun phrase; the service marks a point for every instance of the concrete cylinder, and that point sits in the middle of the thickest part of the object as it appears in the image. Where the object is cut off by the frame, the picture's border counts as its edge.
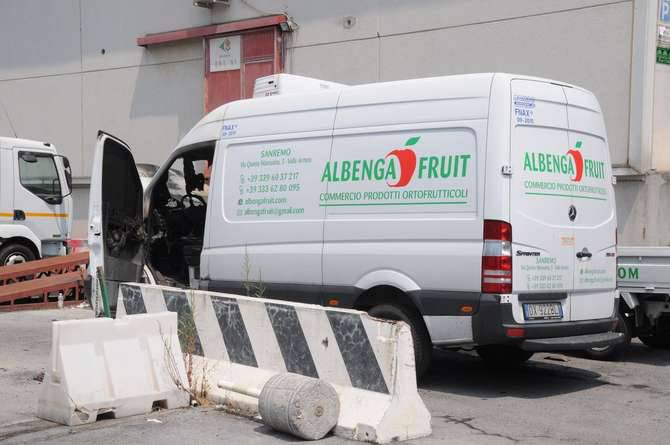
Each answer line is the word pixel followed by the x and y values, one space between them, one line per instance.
pixel 303 406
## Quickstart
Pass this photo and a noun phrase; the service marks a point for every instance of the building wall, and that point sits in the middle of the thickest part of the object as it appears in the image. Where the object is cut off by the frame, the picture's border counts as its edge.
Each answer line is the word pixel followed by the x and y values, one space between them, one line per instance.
pixel 74 67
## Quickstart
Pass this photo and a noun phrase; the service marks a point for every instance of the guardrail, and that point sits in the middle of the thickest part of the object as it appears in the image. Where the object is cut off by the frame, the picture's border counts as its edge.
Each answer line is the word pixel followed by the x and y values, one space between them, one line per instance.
pixel 38 284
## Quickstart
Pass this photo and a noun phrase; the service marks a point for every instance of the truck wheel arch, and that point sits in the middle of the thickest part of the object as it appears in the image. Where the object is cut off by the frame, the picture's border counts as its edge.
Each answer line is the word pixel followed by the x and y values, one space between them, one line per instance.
pixel 22 241
pixel 21 234
pixel 630 300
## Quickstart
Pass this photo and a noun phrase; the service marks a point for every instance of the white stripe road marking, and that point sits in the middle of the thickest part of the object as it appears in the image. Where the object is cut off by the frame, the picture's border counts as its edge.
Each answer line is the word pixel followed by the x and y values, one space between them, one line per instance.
pixel 323 345
pixel 262 335
pixel 208 326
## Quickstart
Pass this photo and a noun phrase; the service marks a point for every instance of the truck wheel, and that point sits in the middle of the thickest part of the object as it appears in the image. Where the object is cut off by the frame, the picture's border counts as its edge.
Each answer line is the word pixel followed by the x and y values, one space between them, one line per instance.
pixel 614 352
pixel 15 254
pixel 503 355
pixel 660 339
pixel 656 342
pixel 423 347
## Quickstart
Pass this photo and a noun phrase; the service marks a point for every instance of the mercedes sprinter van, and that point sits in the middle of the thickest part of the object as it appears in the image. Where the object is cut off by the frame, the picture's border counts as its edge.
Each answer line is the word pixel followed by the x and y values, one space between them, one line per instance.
pixel 477 208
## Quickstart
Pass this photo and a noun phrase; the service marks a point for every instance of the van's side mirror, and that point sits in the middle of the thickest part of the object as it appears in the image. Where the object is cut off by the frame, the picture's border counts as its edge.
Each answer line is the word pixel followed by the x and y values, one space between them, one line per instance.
pixel 28 157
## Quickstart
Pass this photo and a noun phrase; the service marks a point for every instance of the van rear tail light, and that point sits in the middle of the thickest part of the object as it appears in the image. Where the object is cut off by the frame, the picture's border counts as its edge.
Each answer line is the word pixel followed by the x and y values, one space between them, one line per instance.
pixel 497 258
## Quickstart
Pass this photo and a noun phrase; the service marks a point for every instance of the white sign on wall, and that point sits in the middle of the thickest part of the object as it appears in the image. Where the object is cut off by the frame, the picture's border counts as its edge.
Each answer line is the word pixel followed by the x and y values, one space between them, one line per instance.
pixel 224 54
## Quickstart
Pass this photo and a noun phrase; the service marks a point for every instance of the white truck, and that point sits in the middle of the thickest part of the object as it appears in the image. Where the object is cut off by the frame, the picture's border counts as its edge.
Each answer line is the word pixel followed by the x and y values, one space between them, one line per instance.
pixel 35 201
pixel 479 209
pixel 643 275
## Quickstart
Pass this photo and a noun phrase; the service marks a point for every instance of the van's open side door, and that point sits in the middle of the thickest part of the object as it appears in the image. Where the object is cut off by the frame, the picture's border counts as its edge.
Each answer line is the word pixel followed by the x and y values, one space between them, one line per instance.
pixel 115 220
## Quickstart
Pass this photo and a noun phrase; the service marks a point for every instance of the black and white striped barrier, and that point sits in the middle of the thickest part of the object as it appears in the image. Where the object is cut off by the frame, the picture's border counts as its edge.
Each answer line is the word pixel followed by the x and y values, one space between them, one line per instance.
pixel 247 340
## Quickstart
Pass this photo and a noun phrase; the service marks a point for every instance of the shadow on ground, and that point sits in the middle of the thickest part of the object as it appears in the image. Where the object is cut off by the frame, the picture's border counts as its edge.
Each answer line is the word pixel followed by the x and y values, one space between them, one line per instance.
pixel 544 375
pixel 639 353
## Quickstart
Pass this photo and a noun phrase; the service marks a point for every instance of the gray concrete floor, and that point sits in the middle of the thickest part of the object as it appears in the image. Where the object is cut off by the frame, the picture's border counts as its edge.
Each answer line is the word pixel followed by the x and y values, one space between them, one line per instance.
pixel 554 399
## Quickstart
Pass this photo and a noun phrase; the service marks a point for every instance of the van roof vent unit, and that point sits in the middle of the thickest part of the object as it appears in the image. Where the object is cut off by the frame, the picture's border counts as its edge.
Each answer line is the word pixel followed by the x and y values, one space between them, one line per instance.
pixel 282 84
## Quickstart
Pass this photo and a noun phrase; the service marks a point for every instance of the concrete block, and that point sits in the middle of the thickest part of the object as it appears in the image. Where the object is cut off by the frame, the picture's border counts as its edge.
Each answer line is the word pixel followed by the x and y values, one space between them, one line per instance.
pixel 115 367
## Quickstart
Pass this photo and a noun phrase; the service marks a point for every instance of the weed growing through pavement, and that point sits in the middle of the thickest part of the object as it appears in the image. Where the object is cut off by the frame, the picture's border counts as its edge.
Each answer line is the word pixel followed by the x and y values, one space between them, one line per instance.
pixel 252 288
pixel 197 369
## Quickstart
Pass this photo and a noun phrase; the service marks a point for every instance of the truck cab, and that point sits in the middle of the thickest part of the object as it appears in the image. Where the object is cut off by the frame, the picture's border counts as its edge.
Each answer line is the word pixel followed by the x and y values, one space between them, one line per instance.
pixel 35 201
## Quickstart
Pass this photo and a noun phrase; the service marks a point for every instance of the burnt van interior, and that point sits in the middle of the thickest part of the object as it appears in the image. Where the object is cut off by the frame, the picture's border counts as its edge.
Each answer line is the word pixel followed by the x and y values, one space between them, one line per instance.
pixel 176 220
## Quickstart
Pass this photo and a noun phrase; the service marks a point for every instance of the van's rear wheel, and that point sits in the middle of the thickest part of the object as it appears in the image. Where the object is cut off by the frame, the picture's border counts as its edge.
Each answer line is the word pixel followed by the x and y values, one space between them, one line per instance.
pixel 15 254
pixel 503 355
pixel 423 348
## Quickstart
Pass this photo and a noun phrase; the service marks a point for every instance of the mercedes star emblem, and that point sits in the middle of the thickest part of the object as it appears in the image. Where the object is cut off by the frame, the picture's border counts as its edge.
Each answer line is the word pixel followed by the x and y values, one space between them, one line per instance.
pixel 572 213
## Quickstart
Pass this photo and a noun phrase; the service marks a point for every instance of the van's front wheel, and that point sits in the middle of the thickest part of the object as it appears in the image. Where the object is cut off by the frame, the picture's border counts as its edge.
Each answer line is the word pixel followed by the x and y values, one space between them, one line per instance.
pixel 423 348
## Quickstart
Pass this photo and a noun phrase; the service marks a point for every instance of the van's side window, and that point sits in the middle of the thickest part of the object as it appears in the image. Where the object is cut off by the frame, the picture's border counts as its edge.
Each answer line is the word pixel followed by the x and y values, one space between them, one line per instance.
pixel 190 177
pixel 38 174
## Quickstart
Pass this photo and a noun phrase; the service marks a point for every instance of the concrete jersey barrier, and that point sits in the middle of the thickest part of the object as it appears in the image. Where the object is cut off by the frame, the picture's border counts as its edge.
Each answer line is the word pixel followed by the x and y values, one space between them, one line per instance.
pixel 114 367
pixel 369 361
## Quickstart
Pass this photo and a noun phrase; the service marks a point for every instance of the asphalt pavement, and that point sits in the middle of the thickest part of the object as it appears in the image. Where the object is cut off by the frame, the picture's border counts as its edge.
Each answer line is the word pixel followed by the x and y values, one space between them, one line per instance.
pixel 553 399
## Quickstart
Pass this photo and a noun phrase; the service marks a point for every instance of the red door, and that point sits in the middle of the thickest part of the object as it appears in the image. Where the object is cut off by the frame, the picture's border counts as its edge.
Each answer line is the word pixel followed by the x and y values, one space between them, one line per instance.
pixel 254 54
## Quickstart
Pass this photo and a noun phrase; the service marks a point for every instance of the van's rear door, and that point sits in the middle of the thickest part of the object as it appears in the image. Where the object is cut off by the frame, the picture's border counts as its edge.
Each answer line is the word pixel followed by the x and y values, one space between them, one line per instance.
pixel 595 221
pixel 540 202
pixel 115 219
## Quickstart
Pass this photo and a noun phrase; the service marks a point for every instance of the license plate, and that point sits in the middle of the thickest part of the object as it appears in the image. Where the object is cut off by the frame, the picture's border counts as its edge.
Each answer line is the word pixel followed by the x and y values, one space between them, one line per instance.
pixel 542 311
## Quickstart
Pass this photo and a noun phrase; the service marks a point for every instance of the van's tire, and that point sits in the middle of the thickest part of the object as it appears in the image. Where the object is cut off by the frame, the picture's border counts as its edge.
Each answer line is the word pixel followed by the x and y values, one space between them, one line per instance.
pixel 15 254
pixel 614 352
pixel 423 347
pixel 503 355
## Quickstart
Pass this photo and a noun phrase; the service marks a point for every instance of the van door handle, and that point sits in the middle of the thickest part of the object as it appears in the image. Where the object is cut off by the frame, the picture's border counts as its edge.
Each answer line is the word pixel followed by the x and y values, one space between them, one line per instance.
pixel 19 215
pixel 584 254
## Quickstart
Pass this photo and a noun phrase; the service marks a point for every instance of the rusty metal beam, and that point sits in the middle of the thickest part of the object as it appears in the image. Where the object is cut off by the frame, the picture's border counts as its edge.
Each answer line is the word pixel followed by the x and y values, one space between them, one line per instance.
pixel 52 264
pixel 210 30
pixel 31 285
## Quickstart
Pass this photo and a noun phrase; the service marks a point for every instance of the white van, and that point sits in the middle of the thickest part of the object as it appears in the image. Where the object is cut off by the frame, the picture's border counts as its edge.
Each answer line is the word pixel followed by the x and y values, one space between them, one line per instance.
pixel 478 208
pixel 35 201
